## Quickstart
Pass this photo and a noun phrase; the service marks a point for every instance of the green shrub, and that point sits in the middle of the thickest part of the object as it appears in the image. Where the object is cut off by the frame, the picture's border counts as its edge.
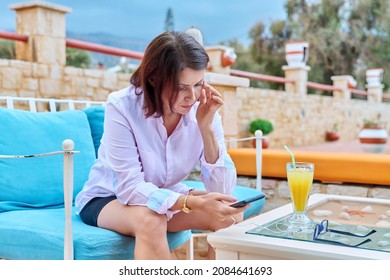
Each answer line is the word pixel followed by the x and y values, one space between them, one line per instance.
pixel 259 124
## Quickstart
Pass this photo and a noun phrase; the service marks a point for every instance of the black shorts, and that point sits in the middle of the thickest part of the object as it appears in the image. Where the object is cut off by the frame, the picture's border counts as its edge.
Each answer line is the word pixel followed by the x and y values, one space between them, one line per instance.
pixel 90 212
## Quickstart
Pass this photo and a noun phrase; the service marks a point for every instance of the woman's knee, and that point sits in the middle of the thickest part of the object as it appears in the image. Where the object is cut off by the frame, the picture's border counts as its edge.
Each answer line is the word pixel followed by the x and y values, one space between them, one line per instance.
pixel 150 223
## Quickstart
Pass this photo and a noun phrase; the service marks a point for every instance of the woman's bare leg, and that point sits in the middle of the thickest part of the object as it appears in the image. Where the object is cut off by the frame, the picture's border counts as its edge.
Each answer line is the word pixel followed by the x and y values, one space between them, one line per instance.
pixel 148 227
pixel 201 221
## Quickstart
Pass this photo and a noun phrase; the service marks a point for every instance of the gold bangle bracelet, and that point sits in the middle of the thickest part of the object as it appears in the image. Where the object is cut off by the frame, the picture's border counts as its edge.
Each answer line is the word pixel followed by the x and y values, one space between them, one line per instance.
pixel 185 208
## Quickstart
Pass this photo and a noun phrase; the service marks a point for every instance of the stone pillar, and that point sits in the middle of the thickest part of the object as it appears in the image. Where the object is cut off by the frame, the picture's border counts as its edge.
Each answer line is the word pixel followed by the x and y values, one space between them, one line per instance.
pixel 344 83
pixel 221 58
pixel 298 74
pixel 44 23
pixel 375 93
pixel 227 86
pixel 374 77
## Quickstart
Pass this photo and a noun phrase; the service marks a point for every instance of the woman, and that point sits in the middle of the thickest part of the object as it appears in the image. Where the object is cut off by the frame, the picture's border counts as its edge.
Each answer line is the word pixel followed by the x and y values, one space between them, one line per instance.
pixel 155 132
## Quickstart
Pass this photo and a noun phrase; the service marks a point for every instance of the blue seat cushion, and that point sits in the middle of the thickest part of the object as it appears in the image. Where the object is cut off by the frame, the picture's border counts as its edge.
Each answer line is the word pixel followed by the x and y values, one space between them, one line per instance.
pixel 39 235
pixel 38 182
pixel 240 193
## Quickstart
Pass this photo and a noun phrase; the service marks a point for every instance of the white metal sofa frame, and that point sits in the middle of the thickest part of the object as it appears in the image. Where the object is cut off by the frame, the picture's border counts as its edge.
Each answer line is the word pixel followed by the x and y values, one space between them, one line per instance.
pixel 68 152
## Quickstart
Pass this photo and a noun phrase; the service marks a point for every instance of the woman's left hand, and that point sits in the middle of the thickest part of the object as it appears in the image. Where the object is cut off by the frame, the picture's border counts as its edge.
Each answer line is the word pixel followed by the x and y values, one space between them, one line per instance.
pixel 210 101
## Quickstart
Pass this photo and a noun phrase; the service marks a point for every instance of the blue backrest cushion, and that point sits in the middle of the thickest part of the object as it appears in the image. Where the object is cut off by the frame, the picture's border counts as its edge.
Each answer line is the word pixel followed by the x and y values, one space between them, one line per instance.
pixel 38 182
pixel 95 115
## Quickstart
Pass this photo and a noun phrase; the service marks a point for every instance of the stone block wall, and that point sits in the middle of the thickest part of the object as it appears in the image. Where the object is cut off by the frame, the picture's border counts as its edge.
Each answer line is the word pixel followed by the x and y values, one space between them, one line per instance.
pixel 28 79
pixel 303 120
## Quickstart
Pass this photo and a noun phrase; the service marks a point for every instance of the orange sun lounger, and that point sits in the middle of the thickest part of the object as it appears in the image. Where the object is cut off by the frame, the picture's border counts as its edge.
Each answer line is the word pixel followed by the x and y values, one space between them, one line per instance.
pixel 329 166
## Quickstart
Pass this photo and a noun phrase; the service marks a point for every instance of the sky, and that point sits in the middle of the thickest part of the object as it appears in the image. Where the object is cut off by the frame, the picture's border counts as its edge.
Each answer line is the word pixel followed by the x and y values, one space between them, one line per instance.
pixel 142 20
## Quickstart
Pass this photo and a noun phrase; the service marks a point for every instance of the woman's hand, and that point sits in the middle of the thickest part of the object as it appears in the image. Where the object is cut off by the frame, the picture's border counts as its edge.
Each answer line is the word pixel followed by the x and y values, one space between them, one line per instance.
pixel 210 101
pixel 215 204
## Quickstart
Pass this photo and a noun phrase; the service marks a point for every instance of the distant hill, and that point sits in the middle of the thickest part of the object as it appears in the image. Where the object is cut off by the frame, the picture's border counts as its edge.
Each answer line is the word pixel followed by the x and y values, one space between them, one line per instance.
pixel 109 40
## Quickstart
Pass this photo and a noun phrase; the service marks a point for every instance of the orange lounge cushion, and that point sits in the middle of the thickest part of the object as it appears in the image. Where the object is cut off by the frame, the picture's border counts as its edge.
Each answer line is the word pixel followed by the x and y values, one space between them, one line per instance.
pixel 333 167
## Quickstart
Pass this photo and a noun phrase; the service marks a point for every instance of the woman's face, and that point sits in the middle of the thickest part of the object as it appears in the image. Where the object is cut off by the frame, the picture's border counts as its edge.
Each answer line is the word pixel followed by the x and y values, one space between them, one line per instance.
pixel 189 89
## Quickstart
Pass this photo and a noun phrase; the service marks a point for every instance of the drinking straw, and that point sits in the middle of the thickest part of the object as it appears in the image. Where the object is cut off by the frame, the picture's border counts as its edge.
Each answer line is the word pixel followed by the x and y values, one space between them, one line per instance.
pixel 291 154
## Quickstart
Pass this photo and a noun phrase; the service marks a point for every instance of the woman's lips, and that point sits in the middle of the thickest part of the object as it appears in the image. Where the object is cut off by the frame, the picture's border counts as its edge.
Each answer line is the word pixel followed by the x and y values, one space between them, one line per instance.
pixel 187 106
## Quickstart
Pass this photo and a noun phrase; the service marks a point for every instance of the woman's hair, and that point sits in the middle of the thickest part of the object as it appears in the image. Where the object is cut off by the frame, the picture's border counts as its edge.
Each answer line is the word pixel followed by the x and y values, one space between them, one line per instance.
pixel 165 57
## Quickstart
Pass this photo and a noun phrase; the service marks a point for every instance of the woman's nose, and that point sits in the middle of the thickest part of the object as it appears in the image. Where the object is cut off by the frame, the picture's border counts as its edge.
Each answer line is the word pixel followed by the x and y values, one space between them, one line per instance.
pixel 191 94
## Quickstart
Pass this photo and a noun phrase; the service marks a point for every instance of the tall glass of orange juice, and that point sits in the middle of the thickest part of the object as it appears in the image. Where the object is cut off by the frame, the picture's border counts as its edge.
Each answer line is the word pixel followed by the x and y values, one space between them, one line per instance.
pixel 300 179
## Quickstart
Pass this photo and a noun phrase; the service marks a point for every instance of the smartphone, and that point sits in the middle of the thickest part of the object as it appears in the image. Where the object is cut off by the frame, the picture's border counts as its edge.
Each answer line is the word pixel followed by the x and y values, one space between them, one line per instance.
pixel 244 202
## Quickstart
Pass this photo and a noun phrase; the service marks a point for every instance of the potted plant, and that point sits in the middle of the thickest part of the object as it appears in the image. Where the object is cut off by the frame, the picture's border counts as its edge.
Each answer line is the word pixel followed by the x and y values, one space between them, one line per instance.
pixel 265 126
pixel 373 136
pixel 332 134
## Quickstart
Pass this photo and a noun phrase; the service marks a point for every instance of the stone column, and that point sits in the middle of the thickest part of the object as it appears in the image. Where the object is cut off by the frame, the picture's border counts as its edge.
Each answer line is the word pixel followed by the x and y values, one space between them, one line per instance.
pixel 344 83
pixel 298 74
pixel 44 23
pixel 227 86
pixel 375 93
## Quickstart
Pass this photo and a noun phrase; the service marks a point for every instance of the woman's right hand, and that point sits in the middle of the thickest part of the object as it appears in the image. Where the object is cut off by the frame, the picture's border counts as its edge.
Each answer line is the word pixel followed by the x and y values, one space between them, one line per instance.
pixel 215 204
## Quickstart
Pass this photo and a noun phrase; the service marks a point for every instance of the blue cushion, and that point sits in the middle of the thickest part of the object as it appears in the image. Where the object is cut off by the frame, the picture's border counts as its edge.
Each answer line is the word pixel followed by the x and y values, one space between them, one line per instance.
pixel 240 193
pixel 95 115
pixel 38 182
pixel 39 235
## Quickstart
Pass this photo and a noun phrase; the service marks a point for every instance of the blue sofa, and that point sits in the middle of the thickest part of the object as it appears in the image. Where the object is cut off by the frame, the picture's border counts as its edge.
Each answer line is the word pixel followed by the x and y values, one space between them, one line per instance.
pixel 32 218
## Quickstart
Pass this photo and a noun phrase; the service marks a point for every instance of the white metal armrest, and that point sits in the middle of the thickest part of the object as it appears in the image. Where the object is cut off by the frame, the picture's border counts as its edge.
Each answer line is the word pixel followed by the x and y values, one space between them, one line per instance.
pixel 68 152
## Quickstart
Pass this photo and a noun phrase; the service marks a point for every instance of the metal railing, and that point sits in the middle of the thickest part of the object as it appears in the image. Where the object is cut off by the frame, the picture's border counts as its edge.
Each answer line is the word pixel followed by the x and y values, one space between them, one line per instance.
pixel 323 87
pixel 259 77
pixel 358 91
pixel 13 36
pixel 81 45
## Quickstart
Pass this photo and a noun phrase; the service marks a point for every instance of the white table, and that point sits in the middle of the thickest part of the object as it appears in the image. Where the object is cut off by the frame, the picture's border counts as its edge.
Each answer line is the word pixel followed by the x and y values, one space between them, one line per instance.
pixel 233 243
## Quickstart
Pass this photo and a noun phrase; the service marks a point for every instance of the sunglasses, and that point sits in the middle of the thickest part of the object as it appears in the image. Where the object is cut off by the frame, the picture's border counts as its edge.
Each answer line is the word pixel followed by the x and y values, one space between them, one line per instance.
pixel 323 227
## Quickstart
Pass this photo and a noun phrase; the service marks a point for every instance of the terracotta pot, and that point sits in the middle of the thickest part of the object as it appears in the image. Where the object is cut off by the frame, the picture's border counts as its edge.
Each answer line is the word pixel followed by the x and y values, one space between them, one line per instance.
pixel 331 136
pixel 228 57
pixel 373 139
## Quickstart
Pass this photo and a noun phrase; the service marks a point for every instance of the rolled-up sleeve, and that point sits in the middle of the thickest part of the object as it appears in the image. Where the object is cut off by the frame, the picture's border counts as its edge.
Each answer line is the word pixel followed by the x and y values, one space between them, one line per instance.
pixel 220 176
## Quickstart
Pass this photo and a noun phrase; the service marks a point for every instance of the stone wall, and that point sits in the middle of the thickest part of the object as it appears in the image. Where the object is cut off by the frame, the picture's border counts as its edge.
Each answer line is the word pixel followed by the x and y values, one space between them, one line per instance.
pixel 29 79
pixel 303 120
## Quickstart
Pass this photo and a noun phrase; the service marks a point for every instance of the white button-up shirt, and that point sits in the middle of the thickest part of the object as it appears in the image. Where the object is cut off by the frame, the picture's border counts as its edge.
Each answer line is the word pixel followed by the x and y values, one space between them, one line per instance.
pixel 140 165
